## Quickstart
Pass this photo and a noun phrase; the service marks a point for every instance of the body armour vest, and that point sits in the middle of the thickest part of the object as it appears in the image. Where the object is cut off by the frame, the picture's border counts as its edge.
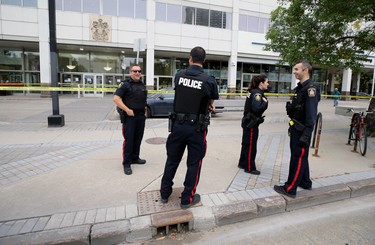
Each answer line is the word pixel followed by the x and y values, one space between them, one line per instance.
pixel 136 97
pixel 298 102
pixel 190 97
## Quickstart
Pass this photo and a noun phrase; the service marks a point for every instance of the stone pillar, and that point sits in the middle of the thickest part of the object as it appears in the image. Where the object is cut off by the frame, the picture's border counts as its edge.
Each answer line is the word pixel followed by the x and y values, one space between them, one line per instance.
pixel 44 48
pixel 232 63
pixel 150 51
pixel 346 83
pixel 358 81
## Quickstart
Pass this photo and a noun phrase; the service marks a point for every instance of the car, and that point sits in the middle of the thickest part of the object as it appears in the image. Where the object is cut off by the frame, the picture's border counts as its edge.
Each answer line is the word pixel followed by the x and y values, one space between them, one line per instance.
pixel 363 94
pixel 161 104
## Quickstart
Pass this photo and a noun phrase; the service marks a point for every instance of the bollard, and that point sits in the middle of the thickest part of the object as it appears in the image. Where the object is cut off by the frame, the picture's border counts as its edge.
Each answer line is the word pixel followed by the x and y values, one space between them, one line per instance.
pixel 79 93
pixel 318 129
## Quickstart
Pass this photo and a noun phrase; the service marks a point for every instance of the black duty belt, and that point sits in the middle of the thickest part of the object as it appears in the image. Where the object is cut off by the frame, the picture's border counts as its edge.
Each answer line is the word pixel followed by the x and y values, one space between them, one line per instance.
pixel 138 112
pixel 183 117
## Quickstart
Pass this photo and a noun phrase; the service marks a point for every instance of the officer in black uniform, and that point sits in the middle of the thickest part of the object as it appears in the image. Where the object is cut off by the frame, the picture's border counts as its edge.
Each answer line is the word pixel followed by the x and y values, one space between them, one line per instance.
pixel 255 105
pixel 302 112
pixel 130 98
pixel 195 93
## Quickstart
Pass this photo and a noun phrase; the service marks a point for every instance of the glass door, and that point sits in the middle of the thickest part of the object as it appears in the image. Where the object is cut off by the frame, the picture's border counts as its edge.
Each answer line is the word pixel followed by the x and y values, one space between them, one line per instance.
pixel 91 85
pixel 246 80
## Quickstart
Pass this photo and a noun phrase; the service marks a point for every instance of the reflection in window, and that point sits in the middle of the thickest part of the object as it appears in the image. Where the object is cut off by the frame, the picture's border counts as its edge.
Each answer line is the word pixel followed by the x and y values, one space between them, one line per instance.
pixel 58 4
pixel 30 3
pixel 161 11
pixel 110 7
pixel 174 13
pixel 140 9
pixel 12 2
pixel 91 6
pixel 253 23
pixel 72 5
pixel 188 15
pixel 126 8
pixel 216 19
pixel 32 61
pixel 10 60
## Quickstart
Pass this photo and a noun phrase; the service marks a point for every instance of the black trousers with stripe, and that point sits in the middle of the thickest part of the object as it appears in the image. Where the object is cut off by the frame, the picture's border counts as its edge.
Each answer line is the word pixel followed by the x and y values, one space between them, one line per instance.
pixel 249 148
pixel 184 135
pixel 299 172
pixel 132 130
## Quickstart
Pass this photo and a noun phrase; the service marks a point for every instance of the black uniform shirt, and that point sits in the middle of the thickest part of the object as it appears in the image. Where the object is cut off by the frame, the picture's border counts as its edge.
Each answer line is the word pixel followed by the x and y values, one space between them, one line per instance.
pixel 133 94
pixel 254 102
pixel 309 96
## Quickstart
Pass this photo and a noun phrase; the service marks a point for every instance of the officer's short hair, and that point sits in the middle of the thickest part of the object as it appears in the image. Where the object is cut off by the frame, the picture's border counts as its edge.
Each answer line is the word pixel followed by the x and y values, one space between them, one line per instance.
pixel 305 64
pixel 198 55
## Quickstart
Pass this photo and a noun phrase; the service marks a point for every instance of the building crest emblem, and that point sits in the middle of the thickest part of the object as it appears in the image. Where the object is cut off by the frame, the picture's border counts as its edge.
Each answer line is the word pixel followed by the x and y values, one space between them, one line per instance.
pixel 100 29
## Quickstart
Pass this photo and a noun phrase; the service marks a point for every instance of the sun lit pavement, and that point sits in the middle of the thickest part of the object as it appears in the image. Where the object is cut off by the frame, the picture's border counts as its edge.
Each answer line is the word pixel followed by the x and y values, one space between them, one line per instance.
pixel 70 178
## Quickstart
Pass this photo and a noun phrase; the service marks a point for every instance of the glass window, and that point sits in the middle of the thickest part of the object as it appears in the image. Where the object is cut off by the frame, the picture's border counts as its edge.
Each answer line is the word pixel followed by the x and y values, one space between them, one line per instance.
pixel 91 6
pixel 263 25
pixel 188 15
pixel 252 23
pixel 72 5
pixel 32 61
pixel 140 9
pixel 227 21
pixel 174 13
pixel 110 7
pixel 202 17
pixel 243 23
pixel 161 11
pixel 30 3
pixel 10 60
pixel 58 4
pixel 12 2
pixel 126 8
pixel 216 19
pixel 162 66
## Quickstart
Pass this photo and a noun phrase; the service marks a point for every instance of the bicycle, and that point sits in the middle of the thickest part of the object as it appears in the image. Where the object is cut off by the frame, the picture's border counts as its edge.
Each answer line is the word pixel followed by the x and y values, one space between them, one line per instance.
pixel 358 131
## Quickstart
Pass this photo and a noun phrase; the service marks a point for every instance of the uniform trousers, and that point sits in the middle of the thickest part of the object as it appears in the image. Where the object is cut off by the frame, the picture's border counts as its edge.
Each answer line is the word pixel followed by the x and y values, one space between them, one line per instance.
pixel 184 135
pixel 132 130
pixel 299 173
pixel 248 148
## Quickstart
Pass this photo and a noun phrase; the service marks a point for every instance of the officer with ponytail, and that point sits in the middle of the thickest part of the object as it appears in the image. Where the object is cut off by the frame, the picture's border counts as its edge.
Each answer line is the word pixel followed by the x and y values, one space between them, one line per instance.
pixel 256 104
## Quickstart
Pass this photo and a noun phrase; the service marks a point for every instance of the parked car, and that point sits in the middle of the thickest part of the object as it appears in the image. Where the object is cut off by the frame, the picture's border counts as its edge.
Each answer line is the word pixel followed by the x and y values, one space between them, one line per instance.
pixel 363 94
pixel 161 104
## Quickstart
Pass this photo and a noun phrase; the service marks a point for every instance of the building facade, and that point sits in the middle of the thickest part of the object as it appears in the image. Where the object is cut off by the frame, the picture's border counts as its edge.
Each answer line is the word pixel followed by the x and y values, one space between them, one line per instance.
pixel 98 41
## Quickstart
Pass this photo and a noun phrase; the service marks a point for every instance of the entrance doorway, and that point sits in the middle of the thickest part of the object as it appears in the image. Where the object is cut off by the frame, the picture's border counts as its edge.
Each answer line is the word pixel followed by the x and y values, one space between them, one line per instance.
pixel 92 82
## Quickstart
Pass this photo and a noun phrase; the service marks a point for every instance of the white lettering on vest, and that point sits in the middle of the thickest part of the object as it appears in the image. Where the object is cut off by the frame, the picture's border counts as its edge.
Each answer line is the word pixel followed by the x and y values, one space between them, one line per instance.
pixel 187 82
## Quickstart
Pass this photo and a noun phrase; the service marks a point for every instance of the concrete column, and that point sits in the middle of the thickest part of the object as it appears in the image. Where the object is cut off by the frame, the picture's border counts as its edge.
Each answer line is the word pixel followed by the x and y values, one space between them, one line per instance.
pixel 150 49
pixel 44 49
pixel 232 63
pixel 346 82
pixel 358 82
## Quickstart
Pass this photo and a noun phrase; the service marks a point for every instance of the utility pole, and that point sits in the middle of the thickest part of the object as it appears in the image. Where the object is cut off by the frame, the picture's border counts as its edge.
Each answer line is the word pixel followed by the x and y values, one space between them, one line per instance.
pixel 54 120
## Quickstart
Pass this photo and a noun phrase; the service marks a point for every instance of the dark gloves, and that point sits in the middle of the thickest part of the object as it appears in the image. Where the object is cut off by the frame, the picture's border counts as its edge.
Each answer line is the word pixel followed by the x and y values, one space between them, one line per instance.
pixel 304 141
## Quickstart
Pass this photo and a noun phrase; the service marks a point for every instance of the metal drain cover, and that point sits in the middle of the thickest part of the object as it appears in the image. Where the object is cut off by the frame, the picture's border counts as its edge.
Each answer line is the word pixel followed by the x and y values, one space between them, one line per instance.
pixel 157 140
pixel 149 202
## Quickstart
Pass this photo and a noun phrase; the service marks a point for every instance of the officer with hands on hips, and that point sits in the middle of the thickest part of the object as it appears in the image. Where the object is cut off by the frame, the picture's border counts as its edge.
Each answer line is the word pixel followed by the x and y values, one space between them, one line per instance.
pixel 255 105
pixel 195 93
pixel 302 112
pixel 131 98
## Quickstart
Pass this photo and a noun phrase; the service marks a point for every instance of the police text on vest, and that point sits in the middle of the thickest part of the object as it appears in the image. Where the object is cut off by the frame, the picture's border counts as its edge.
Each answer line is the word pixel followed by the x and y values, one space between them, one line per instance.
pixel 187 82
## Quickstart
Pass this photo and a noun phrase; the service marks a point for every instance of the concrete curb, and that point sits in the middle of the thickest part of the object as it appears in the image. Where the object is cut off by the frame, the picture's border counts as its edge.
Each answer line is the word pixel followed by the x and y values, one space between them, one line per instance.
pixel 201 218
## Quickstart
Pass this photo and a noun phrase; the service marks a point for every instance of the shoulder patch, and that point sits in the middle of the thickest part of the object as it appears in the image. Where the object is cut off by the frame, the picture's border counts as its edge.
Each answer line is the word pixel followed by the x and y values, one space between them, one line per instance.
pixel 258 97
pixel 311 92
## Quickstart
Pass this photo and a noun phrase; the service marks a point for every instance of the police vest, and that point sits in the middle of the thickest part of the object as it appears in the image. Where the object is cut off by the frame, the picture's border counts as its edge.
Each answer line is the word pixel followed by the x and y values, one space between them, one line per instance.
pixel 190 97
pixel 298 101
pixel 136 96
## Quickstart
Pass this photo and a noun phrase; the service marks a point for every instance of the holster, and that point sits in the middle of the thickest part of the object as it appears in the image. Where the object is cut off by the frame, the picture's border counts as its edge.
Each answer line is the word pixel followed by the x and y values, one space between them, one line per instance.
pixel 171 120
pixel 203 122
pixel 254 120
pixel 122 114
pixel 297 125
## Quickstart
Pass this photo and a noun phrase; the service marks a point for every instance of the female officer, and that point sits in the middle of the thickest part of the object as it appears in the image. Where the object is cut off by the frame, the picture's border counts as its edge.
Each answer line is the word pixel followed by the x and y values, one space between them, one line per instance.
pixel 256 103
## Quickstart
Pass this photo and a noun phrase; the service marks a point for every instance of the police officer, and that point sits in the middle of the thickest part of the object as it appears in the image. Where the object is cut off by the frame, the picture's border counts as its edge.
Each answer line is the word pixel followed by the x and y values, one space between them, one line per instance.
pixel 195 93
pixel 302 112
pixel 130 98
pixel 255 105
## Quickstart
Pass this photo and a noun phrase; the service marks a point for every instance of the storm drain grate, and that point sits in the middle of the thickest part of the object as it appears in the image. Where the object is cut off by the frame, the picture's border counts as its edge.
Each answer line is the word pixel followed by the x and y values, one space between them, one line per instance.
pixel 149 202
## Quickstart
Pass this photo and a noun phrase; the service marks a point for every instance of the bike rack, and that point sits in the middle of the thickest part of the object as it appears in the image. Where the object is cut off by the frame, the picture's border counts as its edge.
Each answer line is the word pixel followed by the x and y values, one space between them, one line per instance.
pixel 318 129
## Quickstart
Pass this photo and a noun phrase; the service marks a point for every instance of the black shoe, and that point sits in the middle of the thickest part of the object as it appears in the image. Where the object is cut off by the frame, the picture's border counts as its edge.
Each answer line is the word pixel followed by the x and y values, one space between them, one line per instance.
pixel 162 200
pixel 128 170
pixel 196 199
pixel 279 189
pixel 241 167
pixel 255 172
pixel 304 187
pixel 139 161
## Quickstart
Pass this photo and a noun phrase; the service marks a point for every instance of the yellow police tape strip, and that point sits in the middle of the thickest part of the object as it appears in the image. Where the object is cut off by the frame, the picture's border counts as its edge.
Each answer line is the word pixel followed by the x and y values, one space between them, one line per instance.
pixel 113 88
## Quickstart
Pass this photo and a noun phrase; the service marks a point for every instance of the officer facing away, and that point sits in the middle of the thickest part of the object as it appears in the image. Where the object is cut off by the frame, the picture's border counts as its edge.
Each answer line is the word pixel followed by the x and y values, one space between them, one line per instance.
pixel 302 112
pixel 195 93
pixel 130 98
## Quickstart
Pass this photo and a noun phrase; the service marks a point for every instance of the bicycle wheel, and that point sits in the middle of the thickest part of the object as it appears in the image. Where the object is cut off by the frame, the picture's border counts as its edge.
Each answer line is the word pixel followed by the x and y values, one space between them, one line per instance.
pixel 362 139
pixel 352 129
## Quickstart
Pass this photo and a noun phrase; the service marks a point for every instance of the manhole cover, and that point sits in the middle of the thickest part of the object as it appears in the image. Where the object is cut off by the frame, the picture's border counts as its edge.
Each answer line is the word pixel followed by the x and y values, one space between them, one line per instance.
pixel 157 140
pixel 149 202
